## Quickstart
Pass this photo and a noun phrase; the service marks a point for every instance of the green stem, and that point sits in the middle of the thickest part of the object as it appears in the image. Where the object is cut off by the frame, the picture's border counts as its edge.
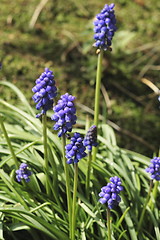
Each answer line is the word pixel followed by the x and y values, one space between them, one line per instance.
pixel 88 173
pixel 74 200
pixel 98 86
pixel 154 194
pixel 9 143
pixel 69 200
pixel 97 95
pixel 145 206
pixel 44 122
pixel 108 223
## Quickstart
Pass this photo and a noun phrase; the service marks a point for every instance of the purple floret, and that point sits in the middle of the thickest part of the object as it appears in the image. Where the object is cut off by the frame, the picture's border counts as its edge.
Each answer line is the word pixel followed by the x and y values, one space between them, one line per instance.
pixel 75 150
pixel 90 139
pixel 110 193
pixel 64 114
pixel 105 27
pixel 45 91
pixel 154 168
pixel 23 173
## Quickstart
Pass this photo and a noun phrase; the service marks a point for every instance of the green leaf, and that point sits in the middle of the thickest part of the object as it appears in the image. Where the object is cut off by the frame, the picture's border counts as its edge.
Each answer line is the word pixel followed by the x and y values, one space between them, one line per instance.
pixel 19 94
pixel 1 226
pixel 129 222
pixel 35 222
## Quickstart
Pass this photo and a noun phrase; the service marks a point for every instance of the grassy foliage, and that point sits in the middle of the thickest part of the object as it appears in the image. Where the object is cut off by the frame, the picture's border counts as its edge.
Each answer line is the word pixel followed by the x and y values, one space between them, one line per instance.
pixel 62 38
pixel 26 209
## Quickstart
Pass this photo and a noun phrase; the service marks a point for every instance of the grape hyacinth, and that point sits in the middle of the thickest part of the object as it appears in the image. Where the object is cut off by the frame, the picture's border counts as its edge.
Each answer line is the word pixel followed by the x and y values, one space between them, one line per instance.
pixel 109 193
pixel 64 114
pixel 104 27
pixel 75 150
pixel 23 173
pixel 90 139
pixel 45 91
pixel 154 168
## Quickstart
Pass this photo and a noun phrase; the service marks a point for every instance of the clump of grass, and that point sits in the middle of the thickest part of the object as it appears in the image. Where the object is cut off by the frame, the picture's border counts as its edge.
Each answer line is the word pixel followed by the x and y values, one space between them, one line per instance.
pixel 56 195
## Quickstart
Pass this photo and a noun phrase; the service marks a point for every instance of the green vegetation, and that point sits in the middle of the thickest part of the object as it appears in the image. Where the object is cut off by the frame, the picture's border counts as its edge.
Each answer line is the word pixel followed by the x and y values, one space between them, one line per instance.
pixel 27 211
pixel 60 201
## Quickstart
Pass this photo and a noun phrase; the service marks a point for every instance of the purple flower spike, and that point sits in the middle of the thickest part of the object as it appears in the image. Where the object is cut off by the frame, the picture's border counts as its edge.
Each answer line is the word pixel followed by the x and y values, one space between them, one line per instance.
pixel 23 173
pixel 109 193
pixel 90 139
pixel 104 27
pixel 64 115
pixel 154 168
pixel 75 150
pixel 45 91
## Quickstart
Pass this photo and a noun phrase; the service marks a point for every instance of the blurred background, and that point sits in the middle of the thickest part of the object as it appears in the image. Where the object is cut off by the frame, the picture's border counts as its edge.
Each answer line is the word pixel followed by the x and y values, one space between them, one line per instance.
pixel 59 34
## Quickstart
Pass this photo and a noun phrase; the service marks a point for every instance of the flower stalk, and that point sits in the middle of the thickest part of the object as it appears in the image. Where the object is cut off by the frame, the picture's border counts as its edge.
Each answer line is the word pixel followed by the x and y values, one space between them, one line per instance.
pixel 74 152
pixel 104 29
pixel 74 200
pixel 68 191
pixel 44 122
pixel 154 194
pixel 98 86
pixel 109 223
pixel 90 140
pixel 8 142
pixel 144 207
pixel 97 95
pixel 88 173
